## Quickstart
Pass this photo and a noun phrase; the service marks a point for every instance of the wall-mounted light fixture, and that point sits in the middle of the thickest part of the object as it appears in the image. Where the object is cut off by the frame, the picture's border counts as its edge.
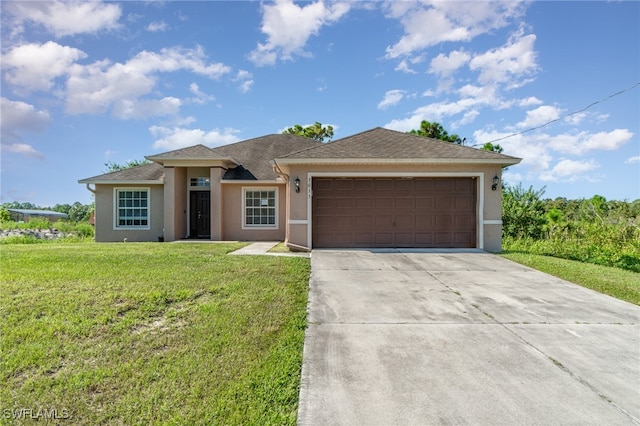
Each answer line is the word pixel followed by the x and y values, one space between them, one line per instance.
pixel 496 181
pixel 297 184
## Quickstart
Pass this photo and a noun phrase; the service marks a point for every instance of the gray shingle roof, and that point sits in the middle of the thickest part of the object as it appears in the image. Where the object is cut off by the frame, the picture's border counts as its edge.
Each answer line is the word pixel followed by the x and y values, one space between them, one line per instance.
pixel 196 152
pixel 383 144
pixel 146 172
pixel 255 154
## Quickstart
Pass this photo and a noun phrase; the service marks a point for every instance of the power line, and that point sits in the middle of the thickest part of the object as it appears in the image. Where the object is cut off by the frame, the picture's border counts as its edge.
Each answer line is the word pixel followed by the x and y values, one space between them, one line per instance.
pixel 565 116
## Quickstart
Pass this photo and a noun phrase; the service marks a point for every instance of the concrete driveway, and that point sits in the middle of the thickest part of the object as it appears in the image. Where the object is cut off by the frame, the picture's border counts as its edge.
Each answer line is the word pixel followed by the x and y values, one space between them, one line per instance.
pixel 455 337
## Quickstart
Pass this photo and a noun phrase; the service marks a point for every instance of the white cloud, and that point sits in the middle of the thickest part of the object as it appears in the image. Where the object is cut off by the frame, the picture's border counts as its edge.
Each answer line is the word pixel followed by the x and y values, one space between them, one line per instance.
pixel 289 26
pixel 34 66
pixel 509 63
pixel 245 80
pixel 23 149
pixel 126 109
pixel 404 67
pixel 392 97
pixel 606 140
pixel 576 118
pixel 430 23
pixel 444 66
pixel 539 116
pixel 101 86
pixel 633 160
pixel 170 138
pixel 530 101
pixel 200 96
pixel 583 142
pixel 64 18
pixel 18 117
pixel 155 27
pixel 570 171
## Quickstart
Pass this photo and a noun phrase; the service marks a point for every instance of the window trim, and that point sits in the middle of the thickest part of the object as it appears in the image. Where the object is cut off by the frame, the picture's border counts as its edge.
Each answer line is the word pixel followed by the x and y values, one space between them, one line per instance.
pixel 246 189
pixel 117 227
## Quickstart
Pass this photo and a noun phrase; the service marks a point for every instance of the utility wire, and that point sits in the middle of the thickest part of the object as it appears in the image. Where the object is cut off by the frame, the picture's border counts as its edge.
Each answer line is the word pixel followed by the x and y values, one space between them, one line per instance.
pixel 565 116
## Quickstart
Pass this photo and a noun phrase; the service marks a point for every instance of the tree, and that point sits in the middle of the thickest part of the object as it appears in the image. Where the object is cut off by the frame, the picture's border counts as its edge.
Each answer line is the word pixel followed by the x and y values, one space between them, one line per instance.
pixel 523 214
pixel 436 131
pixel 316 131
pixel 5 216
pixel 79 212
pixel 493 148
pixel 115 167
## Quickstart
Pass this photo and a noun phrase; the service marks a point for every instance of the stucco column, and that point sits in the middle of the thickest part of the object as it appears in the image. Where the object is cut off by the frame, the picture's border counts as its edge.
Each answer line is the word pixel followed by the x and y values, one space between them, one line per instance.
pixel 169 203
pixel 216 203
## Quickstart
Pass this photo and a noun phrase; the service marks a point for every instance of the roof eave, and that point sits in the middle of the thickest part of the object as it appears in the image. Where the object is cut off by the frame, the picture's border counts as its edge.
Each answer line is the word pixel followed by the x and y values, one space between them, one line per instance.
pixel 179 161
pixel 122 182
pixel 501 161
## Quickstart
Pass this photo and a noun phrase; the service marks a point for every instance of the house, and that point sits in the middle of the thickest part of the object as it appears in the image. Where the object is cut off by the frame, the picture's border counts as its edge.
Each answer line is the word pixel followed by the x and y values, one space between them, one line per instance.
pixel 378 188
pixel 25 215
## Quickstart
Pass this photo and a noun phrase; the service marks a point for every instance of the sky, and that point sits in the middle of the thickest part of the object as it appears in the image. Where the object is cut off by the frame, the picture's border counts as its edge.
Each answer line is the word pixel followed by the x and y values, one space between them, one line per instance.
pixel 85 83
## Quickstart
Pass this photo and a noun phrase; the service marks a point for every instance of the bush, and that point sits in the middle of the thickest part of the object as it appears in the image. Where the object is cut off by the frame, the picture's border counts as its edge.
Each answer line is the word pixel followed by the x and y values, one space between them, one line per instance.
pixel 598 243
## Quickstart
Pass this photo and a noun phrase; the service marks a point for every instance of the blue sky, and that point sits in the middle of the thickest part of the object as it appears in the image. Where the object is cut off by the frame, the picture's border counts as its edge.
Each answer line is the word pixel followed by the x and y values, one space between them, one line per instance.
pixel 84 83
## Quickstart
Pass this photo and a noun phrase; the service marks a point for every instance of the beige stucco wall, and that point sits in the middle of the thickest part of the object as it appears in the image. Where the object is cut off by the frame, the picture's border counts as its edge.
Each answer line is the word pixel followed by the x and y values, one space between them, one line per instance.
pixel 175 203
pixel 489 202
pixel 232 215
pixel 104 218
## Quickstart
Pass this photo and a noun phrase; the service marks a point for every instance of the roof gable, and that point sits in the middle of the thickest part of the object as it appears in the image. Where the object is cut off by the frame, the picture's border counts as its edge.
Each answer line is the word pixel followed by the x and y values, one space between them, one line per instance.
pixel 196 152
pixel 384 144
pixel 255 155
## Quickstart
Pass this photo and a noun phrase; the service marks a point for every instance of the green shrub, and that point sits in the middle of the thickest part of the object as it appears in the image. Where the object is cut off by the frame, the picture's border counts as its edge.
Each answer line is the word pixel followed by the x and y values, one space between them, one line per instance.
pixel 598 243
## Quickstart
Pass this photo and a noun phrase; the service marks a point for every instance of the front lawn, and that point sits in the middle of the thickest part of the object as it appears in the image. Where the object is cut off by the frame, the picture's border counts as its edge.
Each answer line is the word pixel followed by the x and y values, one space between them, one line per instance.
pixel 616 282
pixel 149 333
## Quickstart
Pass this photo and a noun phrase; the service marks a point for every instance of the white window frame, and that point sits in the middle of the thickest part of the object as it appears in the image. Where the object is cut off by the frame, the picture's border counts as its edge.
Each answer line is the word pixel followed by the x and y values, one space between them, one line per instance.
pixel 116 199
pixel 244 207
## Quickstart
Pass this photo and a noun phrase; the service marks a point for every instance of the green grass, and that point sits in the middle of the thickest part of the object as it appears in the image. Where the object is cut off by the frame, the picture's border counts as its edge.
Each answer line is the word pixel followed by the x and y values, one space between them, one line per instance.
pixel 616 282
pixel 148 333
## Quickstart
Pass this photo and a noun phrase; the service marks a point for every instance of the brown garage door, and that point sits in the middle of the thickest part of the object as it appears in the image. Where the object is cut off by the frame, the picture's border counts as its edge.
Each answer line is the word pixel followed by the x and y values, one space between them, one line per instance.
pixel 394 212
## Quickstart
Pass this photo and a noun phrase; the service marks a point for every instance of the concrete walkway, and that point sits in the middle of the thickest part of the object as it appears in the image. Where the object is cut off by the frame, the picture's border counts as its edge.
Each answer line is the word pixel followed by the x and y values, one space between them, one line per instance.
pixel 262 249
pixel 428 338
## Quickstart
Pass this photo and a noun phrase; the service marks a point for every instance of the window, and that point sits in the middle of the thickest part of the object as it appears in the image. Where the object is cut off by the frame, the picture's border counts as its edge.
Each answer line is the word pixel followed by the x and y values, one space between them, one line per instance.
pixel 201 181
pixel 132 209
pixel 260 209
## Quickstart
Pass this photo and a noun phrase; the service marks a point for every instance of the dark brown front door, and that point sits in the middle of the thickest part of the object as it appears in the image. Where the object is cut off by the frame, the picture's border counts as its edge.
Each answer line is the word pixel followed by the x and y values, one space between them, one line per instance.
pixel 200 219
pixel 394 212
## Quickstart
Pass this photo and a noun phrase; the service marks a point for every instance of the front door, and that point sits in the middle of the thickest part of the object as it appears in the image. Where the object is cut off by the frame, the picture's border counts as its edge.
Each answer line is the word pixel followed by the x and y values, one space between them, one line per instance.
pixel 200 219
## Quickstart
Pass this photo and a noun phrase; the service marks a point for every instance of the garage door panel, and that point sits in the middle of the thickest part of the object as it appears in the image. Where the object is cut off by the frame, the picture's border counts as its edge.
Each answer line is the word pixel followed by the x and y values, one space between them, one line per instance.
pixel 365 203
pixel 365 185
pixel 384 184
pixel 424 239
pixel 343 203
pixel 343 221
pixel 404 239
pixel 363 239
pixel 384 239
pixel 404 203
pixel 404 223
pixel 383 202
pixel 383 221
pixel 394 212
pixel 424 203
pixel 425 222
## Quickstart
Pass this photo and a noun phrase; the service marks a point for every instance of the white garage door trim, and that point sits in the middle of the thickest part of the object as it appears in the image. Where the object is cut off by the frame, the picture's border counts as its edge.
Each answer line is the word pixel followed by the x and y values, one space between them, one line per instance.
pixel 479 206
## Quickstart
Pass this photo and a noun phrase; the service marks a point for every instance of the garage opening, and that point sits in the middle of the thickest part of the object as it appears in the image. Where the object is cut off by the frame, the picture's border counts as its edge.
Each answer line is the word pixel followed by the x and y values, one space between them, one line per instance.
pixel 394 212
